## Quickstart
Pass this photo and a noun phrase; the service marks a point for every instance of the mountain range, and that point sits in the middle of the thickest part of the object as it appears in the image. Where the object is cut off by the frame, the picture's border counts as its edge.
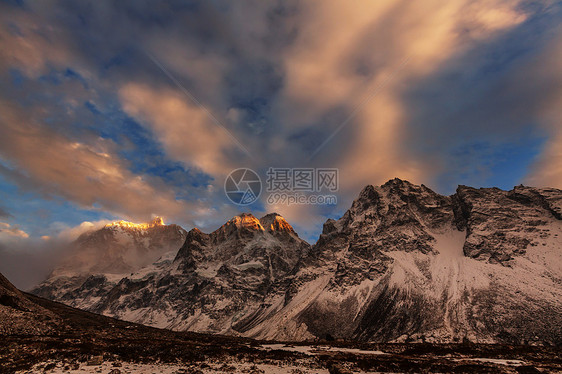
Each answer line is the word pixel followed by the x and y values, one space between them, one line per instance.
pixel 42 336
pixel 403 264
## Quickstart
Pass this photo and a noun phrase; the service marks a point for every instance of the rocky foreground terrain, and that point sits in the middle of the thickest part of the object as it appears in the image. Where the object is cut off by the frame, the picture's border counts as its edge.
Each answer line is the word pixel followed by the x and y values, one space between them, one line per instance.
pixel 403 264
pixel 42 336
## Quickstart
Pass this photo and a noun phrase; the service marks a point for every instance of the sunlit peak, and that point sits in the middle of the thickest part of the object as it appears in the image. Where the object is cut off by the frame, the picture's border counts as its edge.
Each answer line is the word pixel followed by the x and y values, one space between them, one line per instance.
pixel 246 220
pixel 157 221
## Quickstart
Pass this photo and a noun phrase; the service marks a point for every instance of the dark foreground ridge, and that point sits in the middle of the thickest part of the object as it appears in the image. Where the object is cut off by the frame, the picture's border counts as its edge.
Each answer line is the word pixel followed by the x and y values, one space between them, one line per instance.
pixel 43 335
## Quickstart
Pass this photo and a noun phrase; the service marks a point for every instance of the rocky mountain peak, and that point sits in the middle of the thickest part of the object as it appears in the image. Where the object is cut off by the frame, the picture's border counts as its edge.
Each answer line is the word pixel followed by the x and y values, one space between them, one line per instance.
pixel 118 248
pixel 245 221
pixel 194 232
pixel 396 204
pixel 156 222
pixel 196 236
pixel 243 226
pixel 397 182
pixel 192 248
pixel 503 225
pixel 270 240
pixel 274 222
pixel 367 192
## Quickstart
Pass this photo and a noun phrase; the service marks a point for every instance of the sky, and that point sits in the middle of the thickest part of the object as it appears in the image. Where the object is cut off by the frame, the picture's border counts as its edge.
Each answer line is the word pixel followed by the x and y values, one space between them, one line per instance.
pixel 131 110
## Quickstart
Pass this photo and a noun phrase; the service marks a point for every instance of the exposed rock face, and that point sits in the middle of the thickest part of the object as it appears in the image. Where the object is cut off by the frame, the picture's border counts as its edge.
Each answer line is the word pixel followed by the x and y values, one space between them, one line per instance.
pixel 403 264
pixel 501 225
pixel 273 250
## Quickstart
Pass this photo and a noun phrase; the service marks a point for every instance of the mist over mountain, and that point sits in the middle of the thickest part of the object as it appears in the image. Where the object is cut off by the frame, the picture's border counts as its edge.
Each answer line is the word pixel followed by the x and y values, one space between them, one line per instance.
pixel 116 250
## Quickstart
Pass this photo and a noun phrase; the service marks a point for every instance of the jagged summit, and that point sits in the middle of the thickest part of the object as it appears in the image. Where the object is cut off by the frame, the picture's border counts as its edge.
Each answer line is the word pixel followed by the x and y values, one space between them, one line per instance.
pixel 439 262
pixel 240 232
pixel 245 221
pixel 157 221
pixel 274 222
pixel 246 225
pixel 242 226
pixel 211 276
pixel 398 182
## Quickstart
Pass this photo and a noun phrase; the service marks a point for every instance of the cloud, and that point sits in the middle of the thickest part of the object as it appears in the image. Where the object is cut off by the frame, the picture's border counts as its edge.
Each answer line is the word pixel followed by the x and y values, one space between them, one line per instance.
pixel 27 261
pixel 329 69
pixel 28 44
pixel 49 143
pixel 365 58
pixel 68 234
pixel 482 118
pixel 23 260
pixel 544 88
pixel 87 174
pixel 10 232
pixel 417 82
pixel 186 130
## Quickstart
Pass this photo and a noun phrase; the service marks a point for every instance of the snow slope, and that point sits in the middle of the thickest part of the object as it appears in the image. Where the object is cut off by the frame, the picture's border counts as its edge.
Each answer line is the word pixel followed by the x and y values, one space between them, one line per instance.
pixel 402 264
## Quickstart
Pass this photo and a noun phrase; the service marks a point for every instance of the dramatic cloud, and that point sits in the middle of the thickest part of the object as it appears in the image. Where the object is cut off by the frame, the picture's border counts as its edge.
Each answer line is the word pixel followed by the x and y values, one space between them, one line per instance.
pixel 29 45
pixel 187 131
pixel 86 174
pixel 68 234
pixel 365 58
pixel 132 110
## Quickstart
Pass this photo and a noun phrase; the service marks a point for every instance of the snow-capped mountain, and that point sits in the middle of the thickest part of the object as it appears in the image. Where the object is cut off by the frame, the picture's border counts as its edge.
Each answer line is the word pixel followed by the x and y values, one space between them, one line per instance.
pixel 213 280
pixel 111 253
pixel 407 264
pixel 403 264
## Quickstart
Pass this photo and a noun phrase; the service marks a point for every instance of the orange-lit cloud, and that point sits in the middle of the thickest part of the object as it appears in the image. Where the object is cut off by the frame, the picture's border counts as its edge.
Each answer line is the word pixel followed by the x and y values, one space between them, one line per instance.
pixel 8 231
pixel 186 130
pixel 329 61
pixel 364 56
pixel 87 174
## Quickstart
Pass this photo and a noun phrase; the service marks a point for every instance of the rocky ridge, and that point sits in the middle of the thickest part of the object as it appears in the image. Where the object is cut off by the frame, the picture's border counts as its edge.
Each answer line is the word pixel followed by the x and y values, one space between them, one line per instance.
pixel 402 264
